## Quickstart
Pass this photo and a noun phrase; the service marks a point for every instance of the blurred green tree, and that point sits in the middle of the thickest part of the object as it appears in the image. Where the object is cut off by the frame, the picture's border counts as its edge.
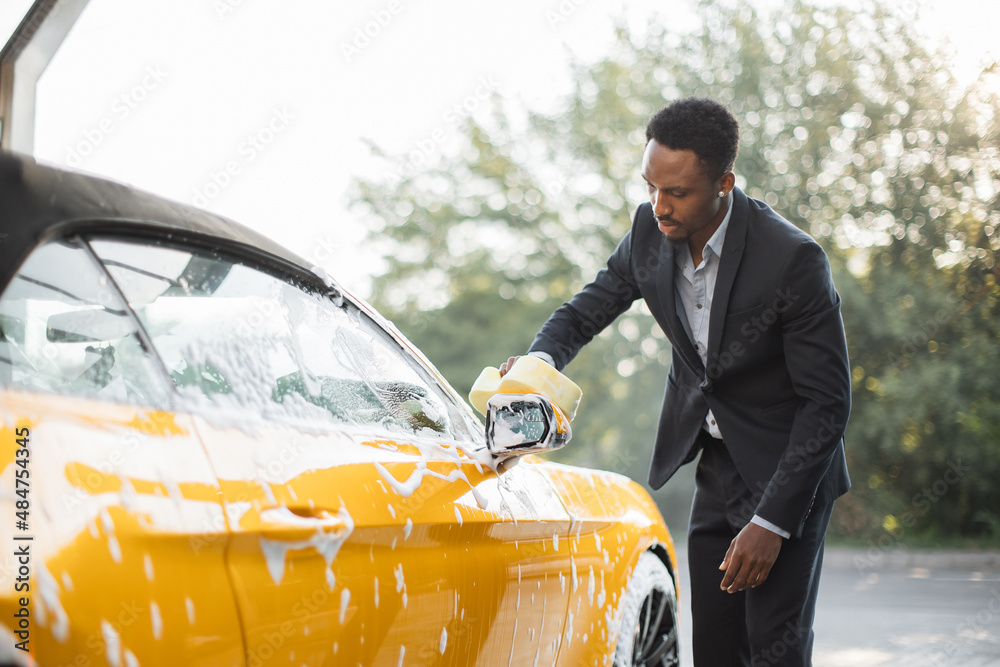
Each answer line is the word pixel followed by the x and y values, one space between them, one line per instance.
pixel 853 130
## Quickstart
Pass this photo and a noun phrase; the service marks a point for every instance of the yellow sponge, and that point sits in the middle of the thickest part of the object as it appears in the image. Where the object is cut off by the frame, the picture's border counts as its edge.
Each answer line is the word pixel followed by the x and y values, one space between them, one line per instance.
pixel 530 375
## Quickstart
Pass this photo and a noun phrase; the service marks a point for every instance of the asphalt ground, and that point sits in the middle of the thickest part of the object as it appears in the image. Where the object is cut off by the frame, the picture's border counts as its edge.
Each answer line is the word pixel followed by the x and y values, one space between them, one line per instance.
pixel 895 608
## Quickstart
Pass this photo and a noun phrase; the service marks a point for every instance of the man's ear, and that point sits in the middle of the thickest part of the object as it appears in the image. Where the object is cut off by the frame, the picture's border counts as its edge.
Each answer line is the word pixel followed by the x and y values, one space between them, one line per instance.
pixel 727 182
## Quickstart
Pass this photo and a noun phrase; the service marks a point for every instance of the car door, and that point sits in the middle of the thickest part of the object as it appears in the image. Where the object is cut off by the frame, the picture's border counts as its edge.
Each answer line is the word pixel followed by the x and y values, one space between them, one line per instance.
pixel 366 526
pixel 117 556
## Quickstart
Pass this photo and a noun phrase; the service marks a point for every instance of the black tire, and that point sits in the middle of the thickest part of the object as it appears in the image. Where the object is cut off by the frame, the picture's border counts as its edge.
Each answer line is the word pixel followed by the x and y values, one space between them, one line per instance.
pixel 648 634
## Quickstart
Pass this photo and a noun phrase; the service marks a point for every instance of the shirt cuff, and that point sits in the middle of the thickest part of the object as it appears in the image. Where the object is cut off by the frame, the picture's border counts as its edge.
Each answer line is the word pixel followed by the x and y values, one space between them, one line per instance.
pixel 764 523
pixel 544 356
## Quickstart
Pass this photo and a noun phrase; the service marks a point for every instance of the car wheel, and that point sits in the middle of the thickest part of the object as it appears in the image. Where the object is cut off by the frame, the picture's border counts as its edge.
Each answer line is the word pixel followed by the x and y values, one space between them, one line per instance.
pixel 648 634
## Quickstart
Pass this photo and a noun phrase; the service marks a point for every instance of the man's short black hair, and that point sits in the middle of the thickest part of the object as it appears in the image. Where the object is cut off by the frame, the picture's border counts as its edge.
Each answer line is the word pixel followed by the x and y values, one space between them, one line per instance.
pixel 700 125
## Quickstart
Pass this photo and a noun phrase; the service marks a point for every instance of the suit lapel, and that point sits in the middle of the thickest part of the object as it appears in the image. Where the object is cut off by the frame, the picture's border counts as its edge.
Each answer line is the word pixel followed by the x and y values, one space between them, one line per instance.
pixel 668 299
pixel 732 253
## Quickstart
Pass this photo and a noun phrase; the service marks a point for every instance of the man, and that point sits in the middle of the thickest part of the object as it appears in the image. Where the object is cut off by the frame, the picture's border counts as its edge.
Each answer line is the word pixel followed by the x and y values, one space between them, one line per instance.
pixel 759 383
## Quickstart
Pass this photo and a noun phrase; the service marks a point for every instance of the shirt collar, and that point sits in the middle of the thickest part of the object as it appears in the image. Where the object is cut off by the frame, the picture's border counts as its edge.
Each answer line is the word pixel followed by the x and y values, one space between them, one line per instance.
pixel 683 258
pixel 719 237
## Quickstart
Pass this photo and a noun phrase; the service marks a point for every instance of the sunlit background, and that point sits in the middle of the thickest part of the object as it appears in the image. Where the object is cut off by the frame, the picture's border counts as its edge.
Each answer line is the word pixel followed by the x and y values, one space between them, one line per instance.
pixel 225 69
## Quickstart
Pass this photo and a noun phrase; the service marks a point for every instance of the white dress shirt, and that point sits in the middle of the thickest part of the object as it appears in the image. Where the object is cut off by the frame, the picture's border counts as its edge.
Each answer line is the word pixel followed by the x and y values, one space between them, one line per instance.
pixel 695 286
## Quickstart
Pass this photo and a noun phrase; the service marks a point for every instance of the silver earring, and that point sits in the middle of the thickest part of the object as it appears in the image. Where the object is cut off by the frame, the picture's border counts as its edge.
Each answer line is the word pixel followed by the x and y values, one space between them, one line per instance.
pixel 721 193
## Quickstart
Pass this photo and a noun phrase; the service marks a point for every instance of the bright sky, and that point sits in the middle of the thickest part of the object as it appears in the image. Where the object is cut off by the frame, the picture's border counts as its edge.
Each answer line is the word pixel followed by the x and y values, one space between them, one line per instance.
pixel 257 109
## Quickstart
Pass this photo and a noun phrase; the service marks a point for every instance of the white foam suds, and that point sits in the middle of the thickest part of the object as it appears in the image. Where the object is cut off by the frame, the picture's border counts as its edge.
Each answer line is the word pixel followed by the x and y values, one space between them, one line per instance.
pixel 327 543
pixel 345 599
pixel 154 613
pixel 602 595
pixel 112 644
pixel 48 589
pixel 236 510
pixel 107 523
pixel 412 483
pixel 400 582
pixel 510 658
pixel 114 549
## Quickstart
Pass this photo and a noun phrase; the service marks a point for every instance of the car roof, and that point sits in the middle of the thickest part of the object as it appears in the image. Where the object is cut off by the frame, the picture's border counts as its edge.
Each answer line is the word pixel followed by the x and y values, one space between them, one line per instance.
pixel 40 202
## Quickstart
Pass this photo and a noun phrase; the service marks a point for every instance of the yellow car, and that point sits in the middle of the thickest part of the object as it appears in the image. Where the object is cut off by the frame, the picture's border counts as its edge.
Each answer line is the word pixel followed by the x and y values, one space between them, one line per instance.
pixel 212 455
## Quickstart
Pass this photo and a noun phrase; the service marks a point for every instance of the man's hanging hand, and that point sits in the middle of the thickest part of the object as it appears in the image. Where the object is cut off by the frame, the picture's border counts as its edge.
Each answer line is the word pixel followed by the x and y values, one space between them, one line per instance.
pixel 750 557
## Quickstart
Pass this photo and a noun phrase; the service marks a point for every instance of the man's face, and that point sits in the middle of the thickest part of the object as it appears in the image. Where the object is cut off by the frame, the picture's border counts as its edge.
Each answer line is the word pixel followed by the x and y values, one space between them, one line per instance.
pixel 685 201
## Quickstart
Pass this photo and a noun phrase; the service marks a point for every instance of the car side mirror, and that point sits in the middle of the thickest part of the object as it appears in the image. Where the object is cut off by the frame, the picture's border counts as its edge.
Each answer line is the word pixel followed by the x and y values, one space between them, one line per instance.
pixel 519 424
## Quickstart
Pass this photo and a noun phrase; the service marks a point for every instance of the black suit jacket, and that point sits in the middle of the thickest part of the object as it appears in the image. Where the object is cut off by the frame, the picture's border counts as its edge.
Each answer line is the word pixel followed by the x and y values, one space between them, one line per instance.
pixel 778 378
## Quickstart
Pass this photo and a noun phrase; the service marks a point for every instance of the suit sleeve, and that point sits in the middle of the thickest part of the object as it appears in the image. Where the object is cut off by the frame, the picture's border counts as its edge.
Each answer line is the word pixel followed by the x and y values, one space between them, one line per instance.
pixel 576 322
pixel 816 356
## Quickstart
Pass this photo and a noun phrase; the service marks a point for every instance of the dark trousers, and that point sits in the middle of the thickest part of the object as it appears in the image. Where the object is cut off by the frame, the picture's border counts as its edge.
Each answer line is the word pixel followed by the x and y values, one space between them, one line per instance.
pixel 763 626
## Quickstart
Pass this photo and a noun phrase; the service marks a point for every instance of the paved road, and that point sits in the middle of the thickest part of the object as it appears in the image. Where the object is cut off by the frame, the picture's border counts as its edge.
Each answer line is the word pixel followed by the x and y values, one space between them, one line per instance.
pixel 923 610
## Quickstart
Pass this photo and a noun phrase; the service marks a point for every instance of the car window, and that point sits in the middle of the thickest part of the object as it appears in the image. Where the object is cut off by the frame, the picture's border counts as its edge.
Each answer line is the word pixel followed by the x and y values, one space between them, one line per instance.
pixel 64 328
pixel 234 336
